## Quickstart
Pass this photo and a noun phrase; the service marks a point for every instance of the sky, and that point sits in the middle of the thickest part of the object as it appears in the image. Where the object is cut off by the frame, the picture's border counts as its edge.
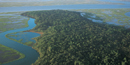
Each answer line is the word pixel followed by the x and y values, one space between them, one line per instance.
pixel 21 0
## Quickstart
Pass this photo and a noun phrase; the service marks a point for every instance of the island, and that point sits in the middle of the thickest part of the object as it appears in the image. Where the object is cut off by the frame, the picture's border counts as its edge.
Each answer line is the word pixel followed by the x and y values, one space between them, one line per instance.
pixel 70 39
pixel 8 54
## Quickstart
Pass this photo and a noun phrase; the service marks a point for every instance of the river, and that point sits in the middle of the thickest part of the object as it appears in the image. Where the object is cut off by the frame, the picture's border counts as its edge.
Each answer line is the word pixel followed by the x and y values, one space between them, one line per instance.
pixel 31 54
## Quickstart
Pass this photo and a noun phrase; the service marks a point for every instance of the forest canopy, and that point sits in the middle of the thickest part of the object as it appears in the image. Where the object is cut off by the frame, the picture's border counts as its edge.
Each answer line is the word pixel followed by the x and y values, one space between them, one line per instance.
pixel 70 39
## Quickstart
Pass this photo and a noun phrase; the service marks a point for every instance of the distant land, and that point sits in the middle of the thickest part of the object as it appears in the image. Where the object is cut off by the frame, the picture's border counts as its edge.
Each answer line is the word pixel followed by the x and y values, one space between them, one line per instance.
pixel 8 3
pixel 123 0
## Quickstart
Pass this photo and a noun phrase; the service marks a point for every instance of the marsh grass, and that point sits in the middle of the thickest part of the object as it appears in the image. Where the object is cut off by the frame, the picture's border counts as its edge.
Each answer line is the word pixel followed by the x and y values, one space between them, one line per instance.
pixel 14 36
pixel 12 20
pixel 8 54
pixel 110 16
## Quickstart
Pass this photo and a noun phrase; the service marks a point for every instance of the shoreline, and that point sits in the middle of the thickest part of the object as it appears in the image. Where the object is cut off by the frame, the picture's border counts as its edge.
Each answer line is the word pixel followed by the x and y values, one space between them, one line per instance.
pixel 33 47
pixel 34 32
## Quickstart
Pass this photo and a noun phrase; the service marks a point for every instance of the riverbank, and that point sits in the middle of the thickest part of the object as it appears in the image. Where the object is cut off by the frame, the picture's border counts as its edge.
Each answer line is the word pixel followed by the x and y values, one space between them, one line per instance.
pixel 34 32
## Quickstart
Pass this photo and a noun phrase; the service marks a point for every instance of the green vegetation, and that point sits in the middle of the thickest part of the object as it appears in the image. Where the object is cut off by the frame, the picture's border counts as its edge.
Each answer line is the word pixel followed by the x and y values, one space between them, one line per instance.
pixel 10 21
pixel 70 39
pixel 28 43
pixel 115 16
pixel 52 2
pixel 7 54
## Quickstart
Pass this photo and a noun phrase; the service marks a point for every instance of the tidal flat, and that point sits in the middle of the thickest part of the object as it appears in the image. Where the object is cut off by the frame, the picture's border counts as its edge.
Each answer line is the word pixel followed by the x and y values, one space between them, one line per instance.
pixel 109 16
pixel 26 38
pixel 8 54
pixel 11 21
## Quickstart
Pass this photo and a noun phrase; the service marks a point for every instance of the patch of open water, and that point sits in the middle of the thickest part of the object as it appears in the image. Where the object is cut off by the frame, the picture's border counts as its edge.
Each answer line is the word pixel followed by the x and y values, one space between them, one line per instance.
pixel 114 21
pixel 127 14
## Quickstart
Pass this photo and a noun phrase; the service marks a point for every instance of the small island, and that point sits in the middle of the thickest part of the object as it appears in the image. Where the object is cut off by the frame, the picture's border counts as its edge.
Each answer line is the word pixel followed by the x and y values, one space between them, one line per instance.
pixel 8 54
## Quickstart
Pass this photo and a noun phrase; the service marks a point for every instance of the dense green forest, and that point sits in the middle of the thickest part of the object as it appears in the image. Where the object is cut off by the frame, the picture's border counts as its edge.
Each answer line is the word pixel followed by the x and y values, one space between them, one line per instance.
pixel 70 39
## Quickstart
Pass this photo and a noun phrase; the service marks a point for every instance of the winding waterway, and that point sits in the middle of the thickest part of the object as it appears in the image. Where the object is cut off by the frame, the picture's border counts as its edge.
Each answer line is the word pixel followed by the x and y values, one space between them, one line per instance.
pixel 31 54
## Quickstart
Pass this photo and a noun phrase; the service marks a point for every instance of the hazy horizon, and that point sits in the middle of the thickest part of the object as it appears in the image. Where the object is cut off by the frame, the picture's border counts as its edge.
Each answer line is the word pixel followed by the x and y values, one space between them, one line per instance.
pixel 22 0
